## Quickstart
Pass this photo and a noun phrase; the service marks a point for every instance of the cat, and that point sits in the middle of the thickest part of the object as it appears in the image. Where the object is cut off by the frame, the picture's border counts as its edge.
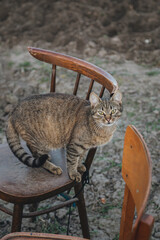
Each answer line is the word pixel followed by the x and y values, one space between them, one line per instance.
pixel 56 120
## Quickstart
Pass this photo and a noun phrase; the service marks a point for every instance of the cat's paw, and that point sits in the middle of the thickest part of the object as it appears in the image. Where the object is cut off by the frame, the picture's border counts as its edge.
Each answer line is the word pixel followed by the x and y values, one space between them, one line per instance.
pixel 74 175
pixel 81 168
pixel 52 168
pixel 56 171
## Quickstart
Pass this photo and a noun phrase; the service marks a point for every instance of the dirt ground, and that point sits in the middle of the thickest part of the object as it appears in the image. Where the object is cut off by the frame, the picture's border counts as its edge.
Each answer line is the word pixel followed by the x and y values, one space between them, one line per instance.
pixel 121 37
pixel 130 27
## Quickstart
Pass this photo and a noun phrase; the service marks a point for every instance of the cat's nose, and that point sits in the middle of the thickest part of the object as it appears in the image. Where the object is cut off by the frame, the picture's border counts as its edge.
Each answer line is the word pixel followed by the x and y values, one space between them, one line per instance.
pixel 108 118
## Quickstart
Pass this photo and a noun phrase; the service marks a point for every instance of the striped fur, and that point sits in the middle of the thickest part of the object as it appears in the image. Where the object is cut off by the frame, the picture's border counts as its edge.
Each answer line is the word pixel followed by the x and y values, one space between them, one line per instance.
pixel 53 120
pixel 16 147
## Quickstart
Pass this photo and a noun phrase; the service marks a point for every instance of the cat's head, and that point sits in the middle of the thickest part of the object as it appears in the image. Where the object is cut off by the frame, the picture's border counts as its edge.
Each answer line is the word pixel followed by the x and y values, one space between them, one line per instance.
pixel 106 111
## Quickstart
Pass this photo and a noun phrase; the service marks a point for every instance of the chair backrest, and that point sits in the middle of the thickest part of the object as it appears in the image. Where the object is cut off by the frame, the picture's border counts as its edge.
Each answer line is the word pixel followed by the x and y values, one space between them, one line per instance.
pixel 82 68
pixel 136 172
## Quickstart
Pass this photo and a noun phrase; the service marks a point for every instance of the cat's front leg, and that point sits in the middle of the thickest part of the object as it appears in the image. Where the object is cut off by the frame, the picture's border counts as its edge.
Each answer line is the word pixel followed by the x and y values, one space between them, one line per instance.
pixel 81 167
pixel 72 163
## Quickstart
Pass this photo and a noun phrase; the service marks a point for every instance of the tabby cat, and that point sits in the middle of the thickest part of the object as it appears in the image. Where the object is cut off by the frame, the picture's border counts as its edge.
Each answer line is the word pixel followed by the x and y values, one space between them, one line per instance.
pixel 55 120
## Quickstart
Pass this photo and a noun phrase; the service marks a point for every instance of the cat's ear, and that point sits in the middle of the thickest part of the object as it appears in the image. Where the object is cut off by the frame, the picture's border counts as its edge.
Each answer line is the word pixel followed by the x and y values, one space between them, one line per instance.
pixel 94 99
pixel 117 96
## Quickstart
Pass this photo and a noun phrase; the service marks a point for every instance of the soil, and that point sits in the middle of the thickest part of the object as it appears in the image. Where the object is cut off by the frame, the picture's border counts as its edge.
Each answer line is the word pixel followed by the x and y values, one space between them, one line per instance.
pixel 121 37
pixel 131 27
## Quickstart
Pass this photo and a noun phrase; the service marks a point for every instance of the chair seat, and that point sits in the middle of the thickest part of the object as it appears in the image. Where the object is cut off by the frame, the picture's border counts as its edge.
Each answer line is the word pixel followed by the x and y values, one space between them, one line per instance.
pixel 28 184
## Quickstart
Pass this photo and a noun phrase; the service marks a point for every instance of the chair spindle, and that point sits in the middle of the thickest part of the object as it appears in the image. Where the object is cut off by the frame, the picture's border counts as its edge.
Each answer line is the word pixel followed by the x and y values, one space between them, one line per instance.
pixel 90 89
pixel 76 84
pixel 53 79
pixel 102 91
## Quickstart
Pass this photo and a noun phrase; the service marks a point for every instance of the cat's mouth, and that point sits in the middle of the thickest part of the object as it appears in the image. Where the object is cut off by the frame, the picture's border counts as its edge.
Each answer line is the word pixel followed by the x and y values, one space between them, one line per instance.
pixel 110 123
pixel 107 124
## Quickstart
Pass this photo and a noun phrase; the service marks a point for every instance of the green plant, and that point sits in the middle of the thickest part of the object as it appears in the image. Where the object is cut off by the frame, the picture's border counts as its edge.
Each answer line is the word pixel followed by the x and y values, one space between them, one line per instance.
pixel 111 165
pixel 10 64
pixel 153 73
pixel 153 126
pixel 130 114
pixel 25 64
pixel 108 206
pixel 54 227
pixel 116 237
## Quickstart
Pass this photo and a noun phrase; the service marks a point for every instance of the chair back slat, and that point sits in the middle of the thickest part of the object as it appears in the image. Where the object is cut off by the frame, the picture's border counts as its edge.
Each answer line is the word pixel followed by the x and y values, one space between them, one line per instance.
pixel 90 89
pixel 76 84
pixel 53 79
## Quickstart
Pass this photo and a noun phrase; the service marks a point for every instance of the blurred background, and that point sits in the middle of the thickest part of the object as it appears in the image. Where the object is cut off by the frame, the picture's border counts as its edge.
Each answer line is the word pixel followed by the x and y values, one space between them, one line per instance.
pixel 123 38
pixel 88 27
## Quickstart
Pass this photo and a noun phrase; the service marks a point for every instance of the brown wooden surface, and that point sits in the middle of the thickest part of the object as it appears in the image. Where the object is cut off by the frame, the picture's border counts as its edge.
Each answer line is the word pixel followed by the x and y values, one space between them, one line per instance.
pixel 17 217
pixel 127 216
pixel 136 172
pixel 40 236
pixel 76 84
pixel 137 166
pixel 19 183
pixel 75 64
pixel 82 210
pixel 145 227
pixel 53 79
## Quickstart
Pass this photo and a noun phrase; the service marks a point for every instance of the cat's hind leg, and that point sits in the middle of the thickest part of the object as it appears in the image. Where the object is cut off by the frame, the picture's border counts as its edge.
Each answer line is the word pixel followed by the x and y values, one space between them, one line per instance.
pixel 48 165
pixel 52 168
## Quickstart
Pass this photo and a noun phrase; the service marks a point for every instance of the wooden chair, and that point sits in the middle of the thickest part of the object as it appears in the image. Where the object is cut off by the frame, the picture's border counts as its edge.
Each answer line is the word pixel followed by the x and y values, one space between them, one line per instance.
pixel 136 172
pixel 21 185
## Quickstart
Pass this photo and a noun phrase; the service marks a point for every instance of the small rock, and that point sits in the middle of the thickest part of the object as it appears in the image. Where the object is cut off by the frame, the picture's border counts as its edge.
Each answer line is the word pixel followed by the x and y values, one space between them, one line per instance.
pixel 19 91
pixel 157 235
pixel 92 44
pixel 61 213
pixel 11 99
pixel 102 53
pixel 8 108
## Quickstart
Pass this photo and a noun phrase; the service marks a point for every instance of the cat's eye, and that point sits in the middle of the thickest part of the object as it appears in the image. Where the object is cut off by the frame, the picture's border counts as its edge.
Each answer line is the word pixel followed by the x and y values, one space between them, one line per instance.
pixel 100 113
pixel 113 111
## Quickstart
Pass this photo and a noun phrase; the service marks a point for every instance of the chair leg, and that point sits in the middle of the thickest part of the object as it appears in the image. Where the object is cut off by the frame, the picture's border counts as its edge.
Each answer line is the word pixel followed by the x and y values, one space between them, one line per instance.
pixel 82 211
pixel 33 208
pixel 17 218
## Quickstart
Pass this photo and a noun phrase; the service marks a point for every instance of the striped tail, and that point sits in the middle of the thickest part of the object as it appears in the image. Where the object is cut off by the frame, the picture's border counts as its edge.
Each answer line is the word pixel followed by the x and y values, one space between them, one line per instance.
pixel 17 149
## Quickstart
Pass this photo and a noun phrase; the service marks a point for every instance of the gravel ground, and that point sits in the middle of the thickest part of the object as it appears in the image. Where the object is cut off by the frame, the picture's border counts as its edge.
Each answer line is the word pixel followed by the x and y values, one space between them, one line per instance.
pixel 21 75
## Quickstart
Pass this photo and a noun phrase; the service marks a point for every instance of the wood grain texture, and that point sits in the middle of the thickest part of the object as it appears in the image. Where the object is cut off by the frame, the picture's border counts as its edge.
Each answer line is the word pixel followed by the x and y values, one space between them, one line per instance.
pixel 136 172
pixel 38 236
pixel 77 65
pixel 137 166
pixel 145 227
pixel 127 216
